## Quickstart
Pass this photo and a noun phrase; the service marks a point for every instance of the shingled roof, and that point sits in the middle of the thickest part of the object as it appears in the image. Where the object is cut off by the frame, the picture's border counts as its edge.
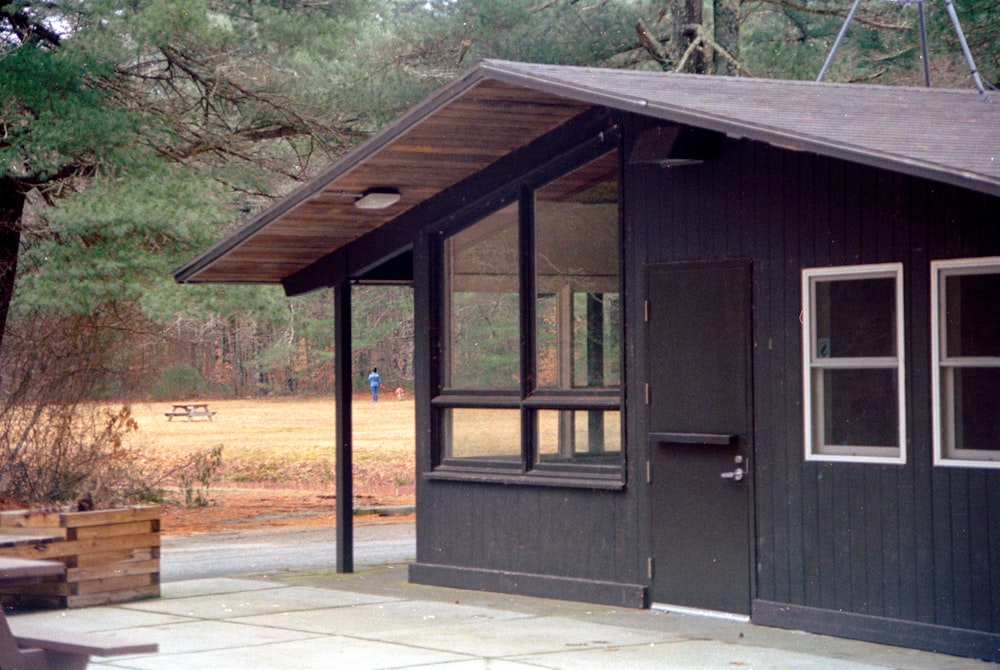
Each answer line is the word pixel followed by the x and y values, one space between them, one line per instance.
pixel 497 107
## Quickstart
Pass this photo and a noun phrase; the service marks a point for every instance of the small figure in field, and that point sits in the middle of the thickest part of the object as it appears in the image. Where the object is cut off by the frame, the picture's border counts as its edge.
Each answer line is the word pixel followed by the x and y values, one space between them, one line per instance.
pixel 374 380
pixel 400 392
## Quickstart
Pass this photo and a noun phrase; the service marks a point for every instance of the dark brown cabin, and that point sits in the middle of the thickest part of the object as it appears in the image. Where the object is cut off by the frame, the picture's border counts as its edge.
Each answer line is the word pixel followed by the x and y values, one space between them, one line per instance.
pixel 738 341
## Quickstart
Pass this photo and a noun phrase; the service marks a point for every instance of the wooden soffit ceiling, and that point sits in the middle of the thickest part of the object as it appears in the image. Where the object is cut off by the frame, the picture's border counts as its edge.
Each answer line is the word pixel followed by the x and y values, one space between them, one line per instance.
pixel 451 136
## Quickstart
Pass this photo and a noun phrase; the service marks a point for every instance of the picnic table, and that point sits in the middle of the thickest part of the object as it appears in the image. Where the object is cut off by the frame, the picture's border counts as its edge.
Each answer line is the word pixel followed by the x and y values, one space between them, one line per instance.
pixel 191 410
pixel 33 648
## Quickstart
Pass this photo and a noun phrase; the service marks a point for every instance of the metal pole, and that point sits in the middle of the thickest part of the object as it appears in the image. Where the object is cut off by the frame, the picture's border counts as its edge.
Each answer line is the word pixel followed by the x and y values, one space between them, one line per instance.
pixel 923 44
pixel 840 38
pixel 344 474
pixel 965 47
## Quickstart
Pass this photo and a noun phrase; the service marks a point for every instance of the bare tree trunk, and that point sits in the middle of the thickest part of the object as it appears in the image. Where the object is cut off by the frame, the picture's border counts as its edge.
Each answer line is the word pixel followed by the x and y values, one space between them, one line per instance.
pixel 687 17
pixel 727 34
pixel 11 209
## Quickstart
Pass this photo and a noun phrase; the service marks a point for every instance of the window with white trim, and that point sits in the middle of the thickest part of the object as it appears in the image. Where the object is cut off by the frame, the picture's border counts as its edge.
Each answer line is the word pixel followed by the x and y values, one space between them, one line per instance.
pixel 853 363
pixel 965 332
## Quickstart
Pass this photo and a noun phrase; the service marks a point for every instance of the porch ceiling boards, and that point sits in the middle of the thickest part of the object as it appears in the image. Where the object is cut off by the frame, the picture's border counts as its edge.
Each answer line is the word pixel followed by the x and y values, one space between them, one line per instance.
pixel 497 107
pixel 420 155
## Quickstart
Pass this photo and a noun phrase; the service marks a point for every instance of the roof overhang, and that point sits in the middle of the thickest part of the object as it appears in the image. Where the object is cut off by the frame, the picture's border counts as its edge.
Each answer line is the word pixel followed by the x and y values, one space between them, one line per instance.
pixel 498 107
pixel 454 134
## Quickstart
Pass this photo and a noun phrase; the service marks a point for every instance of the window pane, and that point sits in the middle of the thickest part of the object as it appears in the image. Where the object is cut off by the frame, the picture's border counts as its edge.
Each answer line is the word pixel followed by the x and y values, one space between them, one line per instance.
pixel 580 436
pixel 855 318
pixel 493 434
pixel 973 315
pixel 859 408
pixel 483 304
pixel 578 310
pixel 976 407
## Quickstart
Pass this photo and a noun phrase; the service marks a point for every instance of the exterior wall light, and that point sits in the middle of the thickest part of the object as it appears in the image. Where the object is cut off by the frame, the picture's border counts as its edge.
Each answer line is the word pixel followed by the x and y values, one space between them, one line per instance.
pixel 378 199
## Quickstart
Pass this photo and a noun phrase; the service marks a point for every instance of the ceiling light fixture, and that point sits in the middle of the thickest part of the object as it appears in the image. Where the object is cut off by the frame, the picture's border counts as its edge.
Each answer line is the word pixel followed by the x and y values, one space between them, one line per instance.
pixel 378 198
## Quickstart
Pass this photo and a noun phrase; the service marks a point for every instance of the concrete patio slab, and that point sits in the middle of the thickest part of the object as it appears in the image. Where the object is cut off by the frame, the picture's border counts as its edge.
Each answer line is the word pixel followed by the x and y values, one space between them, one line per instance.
pixel 317 653
pixel 405 619
pixel 195 636
pixel 690 655
pixel 522 636
pixel 204 587
pixel 375 619
pixel 255 601
pixel 95 619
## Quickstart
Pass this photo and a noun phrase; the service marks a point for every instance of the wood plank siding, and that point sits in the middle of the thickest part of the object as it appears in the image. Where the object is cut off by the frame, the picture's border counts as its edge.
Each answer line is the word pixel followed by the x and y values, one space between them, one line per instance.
pixel 911 541
pixel 893 553
pixel 483 535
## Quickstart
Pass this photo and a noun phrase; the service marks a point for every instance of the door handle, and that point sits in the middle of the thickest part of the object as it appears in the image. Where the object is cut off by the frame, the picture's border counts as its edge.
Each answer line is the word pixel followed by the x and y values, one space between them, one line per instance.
pixel 736 475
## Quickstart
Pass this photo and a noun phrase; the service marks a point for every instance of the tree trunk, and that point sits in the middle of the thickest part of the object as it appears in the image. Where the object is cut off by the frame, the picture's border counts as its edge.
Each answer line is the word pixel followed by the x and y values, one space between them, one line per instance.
pixel 11 209
pixel 727 34
pixel 687 16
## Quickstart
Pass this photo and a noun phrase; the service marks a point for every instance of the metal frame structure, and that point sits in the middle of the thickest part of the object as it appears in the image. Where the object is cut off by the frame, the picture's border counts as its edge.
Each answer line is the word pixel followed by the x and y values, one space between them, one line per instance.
pixel 923 42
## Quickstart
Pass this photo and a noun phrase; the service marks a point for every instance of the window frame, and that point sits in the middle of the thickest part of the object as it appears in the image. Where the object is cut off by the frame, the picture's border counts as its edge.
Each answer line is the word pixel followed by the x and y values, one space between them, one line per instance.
pixel 873 454
pixel 942 413
pixel 530 399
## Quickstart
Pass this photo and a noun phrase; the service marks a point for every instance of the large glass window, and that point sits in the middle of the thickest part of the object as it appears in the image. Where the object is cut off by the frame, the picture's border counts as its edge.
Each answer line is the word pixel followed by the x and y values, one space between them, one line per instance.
pixel 531 340
pixel 483 307
pixel 576 279
pixel 566 436
pixel 853 363
pixel 965 303
pixel 483 434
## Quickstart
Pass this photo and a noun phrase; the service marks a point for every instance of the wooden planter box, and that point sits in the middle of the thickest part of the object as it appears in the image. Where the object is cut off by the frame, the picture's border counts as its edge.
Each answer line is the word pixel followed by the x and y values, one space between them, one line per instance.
pixel 111 556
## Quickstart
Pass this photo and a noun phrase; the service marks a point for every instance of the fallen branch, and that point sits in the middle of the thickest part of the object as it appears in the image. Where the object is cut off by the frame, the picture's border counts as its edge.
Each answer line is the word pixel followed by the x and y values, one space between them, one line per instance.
pixel 651 44
pixel 703 41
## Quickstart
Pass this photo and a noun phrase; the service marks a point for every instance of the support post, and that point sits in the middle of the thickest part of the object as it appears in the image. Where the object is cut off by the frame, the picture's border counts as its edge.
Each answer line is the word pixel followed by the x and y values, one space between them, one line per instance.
pixel 595 368
pixel 342 393
pixel 564 340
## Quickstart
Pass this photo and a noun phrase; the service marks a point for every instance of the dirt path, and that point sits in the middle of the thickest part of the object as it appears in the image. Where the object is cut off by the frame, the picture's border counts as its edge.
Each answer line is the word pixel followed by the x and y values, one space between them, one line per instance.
pixel 251 507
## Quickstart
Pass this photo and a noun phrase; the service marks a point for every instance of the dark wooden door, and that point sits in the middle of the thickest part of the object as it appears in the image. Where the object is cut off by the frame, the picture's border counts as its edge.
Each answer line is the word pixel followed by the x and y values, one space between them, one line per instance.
pixel 699 331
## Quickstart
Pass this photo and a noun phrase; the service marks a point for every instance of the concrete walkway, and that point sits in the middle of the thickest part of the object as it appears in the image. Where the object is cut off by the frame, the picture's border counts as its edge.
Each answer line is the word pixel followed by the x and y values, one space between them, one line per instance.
pixel 375 619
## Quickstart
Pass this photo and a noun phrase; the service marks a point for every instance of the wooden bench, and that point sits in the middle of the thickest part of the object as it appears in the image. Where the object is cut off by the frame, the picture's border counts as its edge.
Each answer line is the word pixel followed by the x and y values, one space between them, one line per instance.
pixel 191 410
pixel 35 648
pixel 62 650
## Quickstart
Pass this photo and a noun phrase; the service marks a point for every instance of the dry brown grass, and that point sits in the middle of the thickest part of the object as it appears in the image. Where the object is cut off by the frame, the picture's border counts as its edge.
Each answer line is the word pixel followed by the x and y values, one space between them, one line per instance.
pixel 299 428
pixel 278 458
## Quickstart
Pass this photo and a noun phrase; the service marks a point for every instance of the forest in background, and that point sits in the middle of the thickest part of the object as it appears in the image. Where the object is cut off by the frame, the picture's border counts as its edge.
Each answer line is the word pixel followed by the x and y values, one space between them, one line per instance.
pixel 135 133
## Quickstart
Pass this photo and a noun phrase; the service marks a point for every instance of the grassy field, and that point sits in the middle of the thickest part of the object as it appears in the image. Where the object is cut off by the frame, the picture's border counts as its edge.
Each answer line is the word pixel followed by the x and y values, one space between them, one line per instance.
pixel 278 457
pixel 300 428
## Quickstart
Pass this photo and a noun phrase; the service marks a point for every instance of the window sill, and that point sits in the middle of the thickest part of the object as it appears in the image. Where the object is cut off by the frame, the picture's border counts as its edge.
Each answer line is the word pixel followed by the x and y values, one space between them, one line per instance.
pixel 969 459
pixel 555 479
pixel 882 457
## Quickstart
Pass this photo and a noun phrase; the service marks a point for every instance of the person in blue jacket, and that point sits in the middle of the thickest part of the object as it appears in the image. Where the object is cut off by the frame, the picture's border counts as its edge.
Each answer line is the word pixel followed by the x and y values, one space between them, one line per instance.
pixel 374 381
